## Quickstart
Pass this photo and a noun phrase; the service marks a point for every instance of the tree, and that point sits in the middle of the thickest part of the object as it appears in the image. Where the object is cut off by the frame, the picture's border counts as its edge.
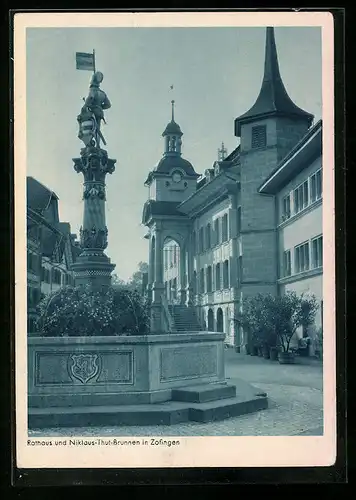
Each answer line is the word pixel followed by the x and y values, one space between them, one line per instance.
pixel 84 311
pixel 116 280
pixel 136 280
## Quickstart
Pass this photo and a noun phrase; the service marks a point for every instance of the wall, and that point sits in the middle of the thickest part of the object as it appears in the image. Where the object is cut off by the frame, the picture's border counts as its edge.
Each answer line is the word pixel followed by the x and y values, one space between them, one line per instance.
pixel 90 371
pixel 298 229
pixel 174 191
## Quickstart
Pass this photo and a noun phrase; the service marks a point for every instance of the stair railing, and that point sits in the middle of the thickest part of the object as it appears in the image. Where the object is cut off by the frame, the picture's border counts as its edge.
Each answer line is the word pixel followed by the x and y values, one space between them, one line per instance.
pixel 168 320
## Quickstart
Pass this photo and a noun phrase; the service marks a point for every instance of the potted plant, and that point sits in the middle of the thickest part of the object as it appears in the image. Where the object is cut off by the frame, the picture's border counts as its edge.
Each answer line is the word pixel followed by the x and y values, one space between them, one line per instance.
pixel 319 343
pixel 273 353
pixel 266 351
pixel 292 312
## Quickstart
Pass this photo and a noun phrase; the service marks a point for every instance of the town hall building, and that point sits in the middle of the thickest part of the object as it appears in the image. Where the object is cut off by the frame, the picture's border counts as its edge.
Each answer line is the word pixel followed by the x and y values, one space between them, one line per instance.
pixel 251 224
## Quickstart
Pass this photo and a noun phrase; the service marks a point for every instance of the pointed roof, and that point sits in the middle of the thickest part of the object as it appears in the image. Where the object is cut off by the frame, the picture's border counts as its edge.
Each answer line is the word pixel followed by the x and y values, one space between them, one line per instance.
pixel 172 128
pixel 38 195
pixel 273 99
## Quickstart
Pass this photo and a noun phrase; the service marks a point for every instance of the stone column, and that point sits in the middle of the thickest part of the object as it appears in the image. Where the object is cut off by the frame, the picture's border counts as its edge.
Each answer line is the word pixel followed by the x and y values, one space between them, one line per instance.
pixel 93 266
pixel 150 269
pixel 158 285
pixel 182 275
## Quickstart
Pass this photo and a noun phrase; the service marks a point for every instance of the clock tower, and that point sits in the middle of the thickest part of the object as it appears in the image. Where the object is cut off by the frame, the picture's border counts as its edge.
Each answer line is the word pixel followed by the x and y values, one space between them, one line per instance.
pixel 174 178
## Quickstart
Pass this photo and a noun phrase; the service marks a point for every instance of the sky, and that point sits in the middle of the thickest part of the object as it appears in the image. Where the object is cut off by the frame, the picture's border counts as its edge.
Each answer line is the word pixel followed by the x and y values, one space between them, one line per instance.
pixel 216 74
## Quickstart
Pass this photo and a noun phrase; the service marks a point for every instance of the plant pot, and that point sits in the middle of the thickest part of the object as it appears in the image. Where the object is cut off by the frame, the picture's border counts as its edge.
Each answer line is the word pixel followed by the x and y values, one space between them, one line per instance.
pixel 273 353
pixel 254 351
pixel 266 352
pixel 237 349
pixel 260 351
pixel 286 357
pixel 247 349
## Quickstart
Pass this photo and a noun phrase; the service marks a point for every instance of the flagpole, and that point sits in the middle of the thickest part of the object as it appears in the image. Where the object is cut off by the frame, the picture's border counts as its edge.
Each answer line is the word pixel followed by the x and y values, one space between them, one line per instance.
pixel 94 60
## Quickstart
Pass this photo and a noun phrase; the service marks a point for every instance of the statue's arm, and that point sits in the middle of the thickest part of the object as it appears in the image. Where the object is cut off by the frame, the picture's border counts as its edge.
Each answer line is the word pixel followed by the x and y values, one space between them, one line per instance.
pixel 106 103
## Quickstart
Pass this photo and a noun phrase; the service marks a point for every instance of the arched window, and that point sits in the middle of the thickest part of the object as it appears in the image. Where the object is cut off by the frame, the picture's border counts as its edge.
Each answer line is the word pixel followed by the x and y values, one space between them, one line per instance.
pixel 202 284
pixel 217 277
pixel 217 231
pixel 209 280
pixel 227 320
pixel 194 243
pixel 224 228
pixel 210 320
pixel 208 237
pixel 226 274
pixel 219 320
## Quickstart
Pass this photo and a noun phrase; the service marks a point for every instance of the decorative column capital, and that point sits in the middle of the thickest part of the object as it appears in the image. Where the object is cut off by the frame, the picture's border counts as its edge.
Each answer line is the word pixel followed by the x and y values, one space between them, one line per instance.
pixel 94 164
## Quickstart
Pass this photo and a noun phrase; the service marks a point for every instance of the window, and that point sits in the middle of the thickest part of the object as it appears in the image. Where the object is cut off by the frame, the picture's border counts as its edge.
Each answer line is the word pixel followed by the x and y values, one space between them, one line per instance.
pixel 317 252
pixel 224 232
pixel 239 219
pixel 194 242
pixel 287 268
pixel 56 276
pixel 209 280
pixel 201 240
pixel 217 231
pixel 286 207
pixel 174 255
pixel 202 287
pixel 217 277
pixel 239 268
pixel 174 288
pixel 316 188
pixel 166 258
pixel 32 261
pixel 301 197
pixel 301 257
pixel 226 274
pixel 259 137
pixel 208 237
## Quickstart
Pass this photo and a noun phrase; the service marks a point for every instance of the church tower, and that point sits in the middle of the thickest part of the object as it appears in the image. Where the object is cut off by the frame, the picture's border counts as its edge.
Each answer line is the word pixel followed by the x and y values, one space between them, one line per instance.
pixel 174 178
pixel 267 132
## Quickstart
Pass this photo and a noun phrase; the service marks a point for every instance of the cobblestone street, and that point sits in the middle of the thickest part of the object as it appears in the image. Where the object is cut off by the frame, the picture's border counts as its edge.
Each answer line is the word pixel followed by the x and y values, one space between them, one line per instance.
pixel 295 404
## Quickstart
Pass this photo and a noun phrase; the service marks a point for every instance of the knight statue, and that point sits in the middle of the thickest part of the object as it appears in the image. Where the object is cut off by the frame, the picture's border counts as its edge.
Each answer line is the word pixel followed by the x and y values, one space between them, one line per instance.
pixel 92 113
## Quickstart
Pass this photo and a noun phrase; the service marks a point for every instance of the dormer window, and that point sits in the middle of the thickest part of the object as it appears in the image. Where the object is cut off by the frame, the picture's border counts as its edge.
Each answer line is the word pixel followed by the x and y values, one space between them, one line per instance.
pixel 259 137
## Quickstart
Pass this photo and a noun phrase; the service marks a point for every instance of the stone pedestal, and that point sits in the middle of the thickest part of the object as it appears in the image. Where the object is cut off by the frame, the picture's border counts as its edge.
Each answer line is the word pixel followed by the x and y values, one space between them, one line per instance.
pixel 133 380
pixel 93 266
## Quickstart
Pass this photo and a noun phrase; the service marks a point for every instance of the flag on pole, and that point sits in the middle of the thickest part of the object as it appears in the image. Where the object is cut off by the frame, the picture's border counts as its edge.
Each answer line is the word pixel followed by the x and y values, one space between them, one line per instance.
pixel 85 61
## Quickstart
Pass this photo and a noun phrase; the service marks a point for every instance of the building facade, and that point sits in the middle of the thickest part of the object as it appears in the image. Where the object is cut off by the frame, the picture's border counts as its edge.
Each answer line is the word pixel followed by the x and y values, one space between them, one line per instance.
pixel 298 189
pixel 251 224
pixel 51 248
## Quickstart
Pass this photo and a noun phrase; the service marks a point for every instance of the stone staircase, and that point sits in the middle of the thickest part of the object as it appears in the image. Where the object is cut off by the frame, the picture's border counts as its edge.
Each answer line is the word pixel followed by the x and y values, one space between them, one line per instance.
pixel 185 318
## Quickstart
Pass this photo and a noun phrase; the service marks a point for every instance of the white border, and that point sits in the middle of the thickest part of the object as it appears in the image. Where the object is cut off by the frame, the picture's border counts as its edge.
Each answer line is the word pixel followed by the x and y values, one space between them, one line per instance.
pixel 193 451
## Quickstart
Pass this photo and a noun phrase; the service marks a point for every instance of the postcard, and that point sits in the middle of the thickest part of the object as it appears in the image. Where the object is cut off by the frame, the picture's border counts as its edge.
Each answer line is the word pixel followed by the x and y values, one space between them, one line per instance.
pixel 174 239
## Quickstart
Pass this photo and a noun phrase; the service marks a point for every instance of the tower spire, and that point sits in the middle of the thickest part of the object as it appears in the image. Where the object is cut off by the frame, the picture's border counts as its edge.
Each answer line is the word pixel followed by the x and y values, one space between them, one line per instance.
pixel 172 102
pixel 172 134
pixel 273 98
